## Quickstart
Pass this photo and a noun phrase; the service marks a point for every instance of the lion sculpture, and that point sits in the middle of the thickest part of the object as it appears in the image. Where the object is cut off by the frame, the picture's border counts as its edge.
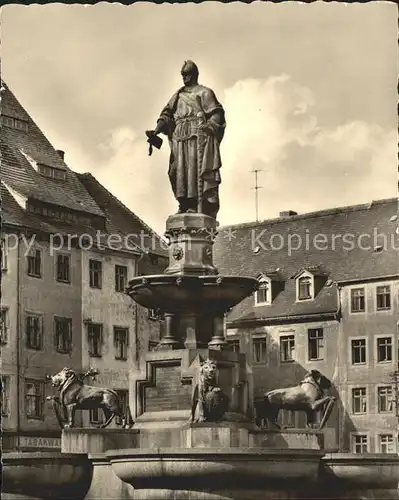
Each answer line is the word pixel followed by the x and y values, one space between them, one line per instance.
pixel 209 403
pixel 310 396
pixel 76 395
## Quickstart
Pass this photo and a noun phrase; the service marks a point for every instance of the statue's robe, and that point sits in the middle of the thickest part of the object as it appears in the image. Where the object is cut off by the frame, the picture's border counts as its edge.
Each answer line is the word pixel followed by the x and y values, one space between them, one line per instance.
pixel 194 166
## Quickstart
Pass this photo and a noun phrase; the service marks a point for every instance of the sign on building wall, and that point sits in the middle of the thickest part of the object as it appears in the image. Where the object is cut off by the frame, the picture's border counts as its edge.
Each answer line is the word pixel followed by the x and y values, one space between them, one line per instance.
pixel 39 442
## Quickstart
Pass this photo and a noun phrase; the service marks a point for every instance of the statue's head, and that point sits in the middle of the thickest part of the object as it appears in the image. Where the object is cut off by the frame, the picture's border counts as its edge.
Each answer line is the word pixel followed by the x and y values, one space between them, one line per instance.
pixel 61 377
pixel 189 73
pixel 209 369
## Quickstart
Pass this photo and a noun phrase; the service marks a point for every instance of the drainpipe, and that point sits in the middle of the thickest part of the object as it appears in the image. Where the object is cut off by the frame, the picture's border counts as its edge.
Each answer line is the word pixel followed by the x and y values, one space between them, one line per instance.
pixel 136 319
pixel 19 339
pixel 342 371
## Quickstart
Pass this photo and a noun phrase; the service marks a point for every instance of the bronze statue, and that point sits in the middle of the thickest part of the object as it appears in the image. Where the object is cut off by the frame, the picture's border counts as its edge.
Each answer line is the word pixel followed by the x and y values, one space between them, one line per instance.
pixel 76 395
pixel 209 402
pixel 194 122
pixel 310 395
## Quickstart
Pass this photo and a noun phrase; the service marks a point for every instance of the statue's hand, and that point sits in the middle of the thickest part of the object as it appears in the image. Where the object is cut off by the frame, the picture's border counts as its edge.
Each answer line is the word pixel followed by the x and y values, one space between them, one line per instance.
pixel 206 127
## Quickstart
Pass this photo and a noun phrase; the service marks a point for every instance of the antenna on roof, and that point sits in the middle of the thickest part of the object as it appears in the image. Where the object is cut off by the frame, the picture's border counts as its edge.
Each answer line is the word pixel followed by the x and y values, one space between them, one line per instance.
pixel 256 188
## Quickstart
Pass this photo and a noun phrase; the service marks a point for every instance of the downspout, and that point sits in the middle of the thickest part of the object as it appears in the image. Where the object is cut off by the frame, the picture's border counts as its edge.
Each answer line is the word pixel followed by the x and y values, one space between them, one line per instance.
pixel 136 318
pixel 342 371
pixel 18 342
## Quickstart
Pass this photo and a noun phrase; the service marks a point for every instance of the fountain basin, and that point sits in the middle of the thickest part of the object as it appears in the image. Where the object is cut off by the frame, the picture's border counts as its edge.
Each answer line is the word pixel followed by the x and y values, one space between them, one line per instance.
pixel 198 294
pixel 248 468
pixel 46 475
pixel 368 470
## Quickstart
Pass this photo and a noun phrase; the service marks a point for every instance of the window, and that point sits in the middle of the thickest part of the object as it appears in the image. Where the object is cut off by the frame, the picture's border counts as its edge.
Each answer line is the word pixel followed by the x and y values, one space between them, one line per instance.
pixel 96 416
pixel 383 298
pixel 35 264
pixel 15 123
pixel 63 268
pixel 358 351
pixel 34 399
pixel 124 399
pixel 34 331
pixel 360 443
pixel 5 396
pixel 287 348
pixel 53 173
pixel 234 344
pixel 95 269
pixel 386 444
pixel 263 294
pixel 316 343
pixel 259 349
pixel 4 255
pixel 121 342
pixel 63 334
pixel 305 288
pixel 95 338
pixel 384 399
pixel 4 326
pixel 120 278
pixel 359 400
pixel 357 300
pixel 384 349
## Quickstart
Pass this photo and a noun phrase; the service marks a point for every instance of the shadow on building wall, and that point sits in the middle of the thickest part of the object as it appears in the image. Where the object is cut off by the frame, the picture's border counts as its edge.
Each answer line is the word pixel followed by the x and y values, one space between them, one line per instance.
pixel 276 374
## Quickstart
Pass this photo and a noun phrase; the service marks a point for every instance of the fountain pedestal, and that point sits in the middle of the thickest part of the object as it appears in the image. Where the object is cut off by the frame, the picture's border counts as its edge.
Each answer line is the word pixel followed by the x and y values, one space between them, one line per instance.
pixel 161 391
pixel 191 239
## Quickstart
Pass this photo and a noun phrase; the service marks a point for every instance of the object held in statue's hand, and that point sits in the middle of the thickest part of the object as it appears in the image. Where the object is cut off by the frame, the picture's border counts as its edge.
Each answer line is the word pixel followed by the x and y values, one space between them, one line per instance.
pixel 153 141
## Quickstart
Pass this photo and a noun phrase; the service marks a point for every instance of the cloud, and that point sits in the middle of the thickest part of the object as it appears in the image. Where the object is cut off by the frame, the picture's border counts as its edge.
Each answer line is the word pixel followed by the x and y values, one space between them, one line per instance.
pixel 305 166
pixel 140 181
pixel 271 126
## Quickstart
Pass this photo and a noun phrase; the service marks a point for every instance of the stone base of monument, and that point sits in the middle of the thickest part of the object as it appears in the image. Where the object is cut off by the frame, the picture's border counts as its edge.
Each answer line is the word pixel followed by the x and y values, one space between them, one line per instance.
pixel 86 440
pixel 191 238
pixel 163 387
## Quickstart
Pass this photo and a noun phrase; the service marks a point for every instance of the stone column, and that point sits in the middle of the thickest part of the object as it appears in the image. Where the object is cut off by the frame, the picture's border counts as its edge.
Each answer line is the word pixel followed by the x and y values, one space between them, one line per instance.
pixel 169 340
pixel 218 340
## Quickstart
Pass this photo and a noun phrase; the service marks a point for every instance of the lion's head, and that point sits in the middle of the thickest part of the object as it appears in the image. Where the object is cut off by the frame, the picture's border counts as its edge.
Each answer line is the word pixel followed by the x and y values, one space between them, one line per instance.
pixel 209 370
pixel 61 377
pixel 323 382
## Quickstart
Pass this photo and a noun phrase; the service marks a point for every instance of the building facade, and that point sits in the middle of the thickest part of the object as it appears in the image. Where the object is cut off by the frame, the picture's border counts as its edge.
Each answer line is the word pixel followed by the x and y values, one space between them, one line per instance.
pixel 63 280
pixel 370 343
pixel 327 300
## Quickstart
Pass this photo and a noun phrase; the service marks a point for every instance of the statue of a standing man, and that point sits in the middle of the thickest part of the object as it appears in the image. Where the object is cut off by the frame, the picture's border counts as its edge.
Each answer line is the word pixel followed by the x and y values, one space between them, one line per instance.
pixel 194 122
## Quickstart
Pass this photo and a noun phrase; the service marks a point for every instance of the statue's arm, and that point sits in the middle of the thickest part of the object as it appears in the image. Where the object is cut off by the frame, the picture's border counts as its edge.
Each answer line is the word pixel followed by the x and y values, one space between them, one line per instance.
pixel 214 114
pixel 165 121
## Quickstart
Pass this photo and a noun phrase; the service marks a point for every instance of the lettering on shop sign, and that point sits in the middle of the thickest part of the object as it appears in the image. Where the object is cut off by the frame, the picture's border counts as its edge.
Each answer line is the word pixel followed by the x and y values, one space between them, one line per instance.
pixel 39 442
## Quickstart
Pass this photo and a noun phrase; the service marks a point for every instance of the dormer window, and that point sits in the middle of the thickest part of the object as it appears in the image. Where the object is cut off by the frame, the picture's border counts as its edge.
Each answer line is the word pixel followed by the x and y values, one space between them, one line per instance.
pixel 309 282
pixel 305 288
pixel 51 172
pixel 263 296
pixel 45 170
pixel 15 123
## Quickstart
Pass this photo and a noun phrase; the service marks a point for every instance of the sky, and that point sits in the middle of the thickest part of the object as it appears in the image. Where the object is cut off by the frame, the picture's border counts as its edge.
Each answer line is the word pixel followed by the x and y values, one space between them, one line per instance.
pixel 309 91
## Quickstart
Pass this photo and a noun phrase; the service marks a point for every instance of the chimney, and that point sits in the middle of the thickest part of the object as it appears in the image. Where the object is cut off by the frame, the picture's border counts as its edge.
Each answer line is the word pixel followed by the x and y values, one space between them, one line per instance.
pixel 61 153
pixel 288 213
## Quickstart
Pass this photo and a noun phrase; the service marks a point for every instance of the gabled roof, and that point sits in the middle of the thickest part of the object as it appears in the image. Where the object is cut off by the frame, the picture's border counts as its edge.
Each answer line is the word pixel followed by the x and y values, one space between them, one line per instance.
pixel 21 176
pixel 122 220
pixel 314 270
pixel 272 274
pixel 342 259
pixel 21 149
